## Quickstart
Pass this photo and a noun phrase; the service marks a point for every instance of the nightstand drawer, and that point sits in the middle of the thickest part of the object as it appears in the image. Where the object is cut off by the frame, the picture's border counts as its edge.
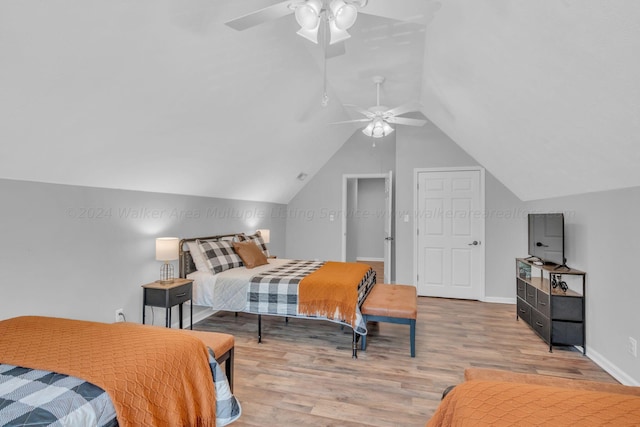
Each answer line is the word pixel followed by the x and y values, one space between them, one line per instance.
pixel 180 294
pixel 168 295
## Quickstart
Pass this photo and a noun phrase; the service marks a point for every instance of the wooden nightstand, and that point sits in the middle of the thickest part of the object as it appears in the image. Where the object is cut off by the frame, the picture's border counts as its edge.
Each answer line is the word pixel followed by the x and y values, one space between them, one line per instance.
pixel 158 295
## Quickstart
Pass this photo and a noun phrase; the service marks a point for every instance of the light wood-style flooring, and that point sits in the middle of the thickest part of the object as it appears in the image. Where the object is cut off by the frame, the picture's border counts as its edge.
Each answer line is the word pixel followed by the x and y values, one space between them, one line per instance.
pixel 303 374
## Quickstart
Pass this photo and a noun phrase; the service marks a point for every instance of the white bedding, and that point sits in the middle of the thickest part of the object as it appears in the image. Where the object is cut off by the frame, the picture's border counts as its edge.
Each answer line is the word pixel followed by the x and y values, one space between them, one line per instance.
pixel 232 294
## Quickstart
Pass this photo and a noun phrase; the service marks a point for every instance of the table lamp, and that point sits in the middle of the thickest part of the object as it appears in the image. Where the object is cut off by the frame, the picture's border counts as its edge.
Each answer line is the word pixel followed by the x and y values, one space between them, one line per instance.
pixel 166 250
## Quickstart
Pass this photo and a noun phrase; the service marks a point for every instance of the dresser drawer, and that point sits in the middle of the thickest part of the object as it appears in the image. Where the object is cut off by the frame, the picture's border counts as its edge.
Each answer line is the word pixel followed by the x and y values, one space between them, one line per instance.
pixel 531 295
pixel 542 302
pixel 521 288
pixel 540 324
pixel 180 294
pixel 567 308
pixel 569 333
pixel 523 311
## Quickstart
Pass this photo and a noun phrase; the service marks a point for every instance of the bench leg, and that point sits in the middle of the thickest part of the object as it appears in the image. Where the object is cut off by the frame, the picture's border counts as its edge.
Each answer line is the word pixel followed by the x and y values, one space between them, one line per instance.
pixel 412 326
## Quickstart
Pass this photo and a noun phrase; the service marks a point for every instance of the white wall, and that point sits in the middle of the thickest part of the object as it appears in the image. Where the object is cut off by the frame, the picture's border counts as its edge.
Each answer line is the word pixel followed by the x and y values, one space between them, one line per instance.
pixel 83 252
pixel 602 237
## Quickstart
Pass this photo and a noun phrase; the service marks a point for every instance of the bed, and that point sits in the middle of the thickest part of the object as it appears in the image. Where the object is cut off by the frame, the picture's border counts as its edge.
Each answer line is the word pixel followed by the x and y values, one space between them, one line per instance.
pixel 64 372
pixel 502 398
pixel 227 280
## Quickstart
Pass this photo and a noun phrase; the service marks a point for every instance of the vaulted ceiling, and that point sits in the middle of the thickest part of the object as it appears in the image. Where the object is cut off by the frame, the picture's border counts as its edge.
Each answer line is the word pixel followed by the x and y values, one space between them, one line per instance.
pixel 162 96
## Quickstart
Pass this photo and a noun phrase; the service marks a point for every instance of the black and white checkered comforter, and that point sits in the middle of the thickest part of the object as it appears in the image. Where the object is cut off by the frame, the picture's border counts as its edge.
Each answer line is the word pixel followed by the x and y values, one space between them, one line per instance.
pixel 275 291
pixel 31 397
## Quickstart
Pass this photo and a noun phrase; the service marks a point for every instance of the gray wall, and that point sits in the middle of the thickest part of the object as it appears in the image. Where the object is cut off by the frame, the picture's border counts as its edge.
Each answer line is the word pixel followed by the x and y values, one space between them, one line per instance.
pixel 82 252
pixel 310 232
pixel 428 147
pixel 408 148
pixel 370 218
pixel 602 237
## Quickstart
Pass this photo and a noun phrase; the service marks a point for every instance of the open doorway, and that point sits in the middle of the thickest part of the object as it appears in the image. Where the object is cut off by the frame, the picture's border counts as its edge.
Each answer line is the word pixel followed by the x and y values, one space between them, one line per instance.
pixel 366 226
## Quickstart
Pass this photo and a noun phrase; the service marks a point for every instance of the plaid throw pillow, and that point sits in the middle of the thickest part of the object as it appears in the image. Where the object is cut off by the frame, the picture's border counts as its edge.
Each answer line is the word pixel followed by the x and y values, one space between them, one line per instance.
pixel 219 255
pixel 257 239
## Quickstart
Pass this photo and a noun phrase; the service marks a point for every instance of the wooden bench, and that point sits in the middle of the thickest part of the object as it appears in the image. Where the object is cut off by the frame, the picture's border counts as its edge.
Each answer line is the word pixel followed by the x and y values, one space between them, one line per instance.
pixel 222 346
pixel 392 304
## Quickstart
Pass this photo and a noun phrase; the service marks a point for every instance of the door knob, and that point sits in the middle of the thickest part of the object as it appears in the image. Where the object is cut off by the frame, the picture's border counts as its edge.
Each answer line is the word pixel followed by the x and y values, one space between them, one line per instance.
pixel 388 238
pixel 474 243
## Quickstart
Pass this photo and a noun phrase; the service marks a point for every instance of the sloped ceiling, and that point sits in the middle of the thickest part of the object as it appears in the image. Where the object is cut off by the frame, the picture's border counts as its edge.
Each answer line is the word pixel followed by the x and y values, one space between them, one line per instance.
pixel 544 94
pixel 162 96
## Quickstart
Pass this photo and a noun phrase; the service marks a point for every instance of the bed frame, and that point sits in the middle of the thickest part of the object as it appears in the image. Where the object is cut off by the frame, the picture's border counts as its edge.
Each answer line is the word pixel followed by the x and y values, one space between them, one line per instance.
pixel 187 266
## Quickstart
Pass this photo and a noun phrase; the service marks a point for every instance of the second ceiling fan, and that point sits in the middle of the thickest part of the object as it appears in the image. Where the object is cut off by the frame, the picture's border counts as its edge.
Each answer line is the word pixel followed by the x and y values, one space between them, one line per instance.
pixel 381 117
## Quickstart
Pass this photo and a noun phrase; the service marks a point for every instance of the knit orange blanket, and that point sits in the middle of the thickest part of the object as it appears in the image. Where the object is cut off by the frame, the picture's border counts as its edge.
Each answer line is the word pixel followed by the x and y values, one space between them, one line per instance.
pixel 493 403
pixel 332 291
pixel 154 376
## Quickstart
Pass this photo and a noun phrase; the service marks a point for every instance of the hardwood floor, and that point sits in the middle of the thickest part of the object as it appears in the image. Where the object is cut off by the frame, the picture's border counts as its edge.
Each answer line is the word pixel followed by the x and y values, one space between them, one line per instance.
pixel 303 374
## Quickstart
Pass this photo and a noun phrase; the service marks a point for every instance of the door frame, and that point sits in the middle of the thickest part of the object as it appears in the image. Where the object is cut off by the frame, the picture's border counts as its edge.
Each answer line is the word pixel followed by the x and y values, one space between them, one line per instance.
pixel 345 178
pixel 480 169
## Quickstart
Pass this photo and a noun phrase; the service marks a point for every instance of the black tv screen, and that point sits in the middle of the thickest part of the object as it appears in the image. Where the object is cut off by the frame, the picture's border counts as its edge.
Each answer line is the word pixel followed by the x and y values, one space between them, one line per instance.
pixel 546 237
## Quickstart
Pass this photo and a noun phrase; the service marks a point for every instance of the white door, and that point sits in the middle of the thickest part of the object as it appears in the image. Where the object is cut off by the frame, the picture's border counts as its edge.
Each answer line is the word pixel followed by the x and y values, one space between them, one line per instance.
pixel 450 233
pixel 388 237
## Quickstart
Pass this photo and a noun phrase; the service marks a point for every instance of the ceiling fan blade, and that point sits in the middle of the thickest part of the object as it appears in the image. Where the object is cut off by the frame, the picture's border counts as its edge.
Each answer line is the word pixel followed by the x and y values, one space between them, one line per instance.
pixel 404 108
pixel 419 11
pixel 350 121
pixel 269 13
pixel 360 110
pixel 406 121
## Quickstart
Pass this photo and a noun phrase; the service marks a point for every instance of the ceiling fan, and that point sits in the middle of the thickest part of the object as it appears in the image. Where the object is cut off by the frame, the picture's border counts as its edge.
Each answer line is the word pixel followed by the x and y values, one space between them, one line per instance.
pixel 381 117
pixel 338 15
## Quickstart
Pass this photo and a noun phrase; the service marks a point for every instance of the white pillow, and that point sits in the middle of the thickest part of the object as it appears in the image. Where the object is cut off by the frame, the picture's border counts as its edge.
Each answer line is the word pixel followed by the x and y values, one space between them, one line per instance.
pixel 197 256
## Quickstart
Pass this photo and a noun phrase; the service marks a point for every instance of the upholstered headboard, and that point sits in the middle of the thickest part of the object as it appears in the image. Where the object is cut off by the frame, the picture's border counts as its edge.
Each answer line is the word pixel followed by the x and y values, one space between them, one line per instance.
pixel 186 261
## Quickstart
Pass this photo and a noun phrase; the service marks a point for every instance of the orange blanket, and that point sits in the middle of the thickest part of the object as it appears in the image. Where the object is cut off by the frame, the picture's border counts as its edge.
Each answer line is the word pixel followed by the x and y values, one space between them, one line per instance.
pixel 154 376
pixel 332 291
pixel 494 403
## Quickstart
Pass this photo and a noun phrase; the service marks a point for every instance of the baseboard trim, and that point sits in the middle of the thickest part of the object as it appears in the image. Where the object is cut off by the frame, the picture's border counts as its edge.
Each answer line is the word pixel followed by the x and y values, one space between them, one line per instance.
pixel 499 300
pixel 365 259
pixel 201 315
pixel 611 368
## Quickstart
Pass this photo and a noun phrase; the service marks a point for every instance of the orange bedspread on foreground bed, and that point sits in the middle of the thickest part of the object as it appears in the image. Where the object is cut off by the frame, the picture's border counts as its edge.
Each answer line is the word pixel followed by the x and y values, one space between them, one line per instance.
pixel 332 291
pixel 163 393
pixel 496 403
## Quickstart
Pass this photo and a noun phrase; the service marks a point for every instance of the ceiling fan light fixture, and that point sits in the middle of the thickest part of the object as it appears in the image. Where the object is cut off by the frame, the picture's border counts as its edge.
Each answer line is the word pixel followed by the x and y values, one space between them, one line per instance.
pixel 377 128
pixel 311 35
pixel 344 15
pixel 337 35
pixel 308 14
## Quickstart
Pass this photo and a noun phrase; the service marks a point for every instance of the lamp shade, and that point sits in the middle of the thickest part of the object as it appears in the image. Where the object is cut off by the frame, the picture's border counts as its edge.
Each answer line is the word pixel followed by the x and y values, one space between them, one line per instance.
pixel 337 34
pixel 377 128
pixel 167 248
pixel 344 14
pixel 265 233
pixel 308 14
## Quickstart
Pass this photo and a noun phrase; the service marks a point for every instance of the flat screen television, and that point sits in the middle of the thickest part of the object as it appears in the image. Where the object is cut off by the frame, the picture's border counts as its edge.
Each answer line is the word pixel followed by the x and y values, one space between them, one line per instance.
pixel 546 237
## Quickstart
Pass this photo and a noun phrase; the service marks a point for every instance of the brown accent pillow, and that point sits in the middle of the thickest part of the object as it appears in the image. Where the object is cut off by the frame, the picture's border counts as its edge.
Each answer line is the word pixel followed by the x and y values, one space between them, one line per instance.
pixel 251 254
